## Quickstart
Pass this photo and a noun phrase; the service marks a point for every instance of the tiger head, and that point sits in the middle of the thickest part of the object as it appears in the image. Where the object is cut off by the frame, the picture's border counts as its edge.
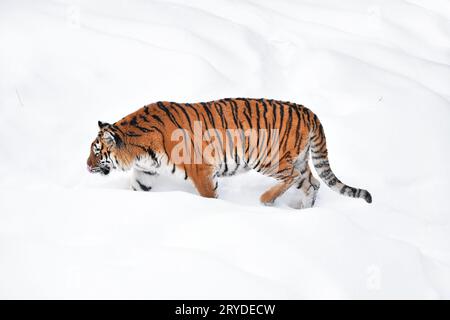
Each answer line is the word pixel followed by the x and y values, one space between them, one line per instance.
pixel 106 150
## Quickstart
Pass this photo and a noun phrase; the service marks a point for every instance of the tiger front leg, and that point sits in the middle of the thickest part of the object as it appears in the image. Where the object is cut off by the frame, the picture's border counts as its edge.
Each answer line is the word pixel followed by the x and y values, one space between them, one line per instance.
pixel 143 180
pixel 204 178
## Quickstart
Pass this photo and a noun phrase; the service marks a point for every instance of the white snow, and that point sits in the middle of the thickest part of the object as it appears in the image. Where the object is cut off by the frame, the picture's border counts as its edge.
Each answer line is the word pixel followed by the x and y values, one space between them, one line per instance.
pixel 377 73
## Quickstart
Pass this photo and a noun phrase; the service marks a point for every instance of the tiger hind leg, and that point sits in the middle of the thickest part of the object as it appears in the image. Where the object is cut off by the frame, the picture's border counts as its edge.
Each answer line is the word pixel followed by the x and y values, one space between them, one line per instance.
pixel 143 180
pixel 287 177
pixel 308 186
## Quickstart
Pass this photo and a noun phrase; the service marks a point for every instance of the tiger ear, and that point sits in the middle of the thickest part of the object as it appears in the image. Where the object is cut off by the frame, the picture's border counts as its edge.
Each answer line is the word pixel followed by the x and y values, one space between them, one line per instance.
pixel 102 125
pixel 109 138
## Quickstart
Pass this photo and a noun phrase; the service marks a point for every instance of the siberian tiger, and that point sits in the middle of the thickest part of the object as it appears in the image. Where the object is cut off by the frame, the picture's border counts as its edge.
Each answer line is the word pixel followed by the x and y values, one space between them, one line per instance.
pixel 207 140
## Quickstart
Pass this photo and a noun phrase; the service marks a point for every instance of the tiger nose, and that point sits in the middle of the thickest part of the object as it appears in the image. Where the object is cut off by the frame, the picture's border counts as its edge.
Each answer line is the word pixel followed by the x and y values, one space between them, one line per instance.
pixel 89 168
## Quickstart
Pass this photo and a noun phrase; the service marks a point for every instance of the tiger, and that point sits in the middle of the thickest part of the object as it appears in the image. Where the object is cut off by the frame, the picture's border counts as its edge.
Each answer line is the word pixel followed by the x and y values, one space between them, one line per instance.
pixel 275 138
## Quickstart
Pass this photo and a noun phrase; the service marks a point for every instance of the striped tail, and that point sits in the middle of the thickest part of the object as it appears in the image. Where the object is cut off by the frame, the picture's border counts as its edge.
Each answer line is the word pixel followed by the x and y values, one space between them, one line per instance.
pixel 319 155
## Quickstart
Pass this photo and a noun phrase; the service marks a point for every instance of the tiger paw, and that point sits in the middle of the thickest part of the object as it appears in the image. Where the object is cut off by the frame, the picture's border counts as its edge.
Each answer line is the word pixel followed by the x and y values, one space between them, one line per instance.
pixel 267 199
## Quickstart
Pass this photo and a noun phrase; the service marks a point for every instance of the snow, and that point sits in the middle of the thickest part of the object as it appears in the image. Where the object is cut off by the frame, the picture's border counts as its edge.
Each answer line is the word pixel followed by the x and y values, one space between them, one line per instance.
pixel 377 73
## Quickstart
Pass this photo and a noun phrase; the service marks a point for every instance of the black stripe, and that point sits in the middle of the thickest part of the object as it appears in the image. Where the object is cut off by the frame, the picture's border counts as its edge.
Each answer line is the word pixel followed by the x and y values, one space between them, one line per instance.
pixel 152 154
pixel 332 182
pixel 154 116
pixel 247 104
pixel 163 140
pixel 298 137
pixel 195 110
pixel 169 114
pixel 208 113
pixel 220 113
pixel 143 186
pixel 235 112
pixel 265 113
pixel 288 128
pixel 132 134
pixel 185 114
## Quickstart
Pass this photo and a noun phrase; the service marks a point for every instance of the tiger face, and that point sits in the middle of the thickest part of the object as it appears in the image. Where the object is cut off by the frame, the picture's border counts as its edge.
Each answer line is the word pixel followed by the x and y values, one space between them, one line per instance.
pixel 102 158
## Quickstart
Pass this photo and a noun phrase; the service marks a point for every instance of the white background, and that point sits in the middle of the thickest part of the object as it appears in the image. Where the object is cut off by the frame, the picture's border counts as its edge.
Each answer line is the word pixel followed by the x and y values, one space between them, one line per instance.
pixel 377 73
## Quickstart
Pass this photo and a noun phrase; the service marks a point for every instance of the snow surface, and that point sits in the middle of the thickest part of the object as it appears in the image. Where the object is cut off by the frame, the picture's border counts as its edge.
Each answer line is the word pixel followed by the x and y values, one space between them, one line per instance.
pixel 377 73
